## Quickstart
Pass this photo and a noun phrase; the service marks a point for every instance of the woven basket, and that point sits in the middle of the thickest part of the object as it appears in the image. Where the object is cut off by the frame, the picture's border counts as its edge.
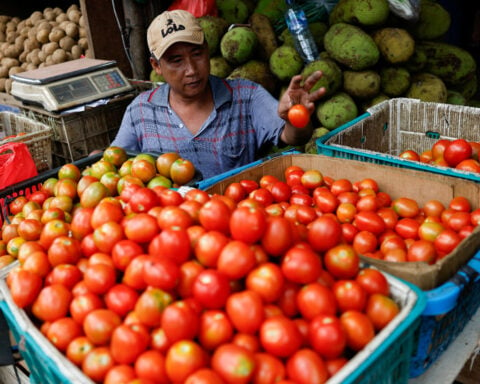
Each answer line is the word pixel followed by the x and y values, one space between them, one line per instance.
pixel 36 135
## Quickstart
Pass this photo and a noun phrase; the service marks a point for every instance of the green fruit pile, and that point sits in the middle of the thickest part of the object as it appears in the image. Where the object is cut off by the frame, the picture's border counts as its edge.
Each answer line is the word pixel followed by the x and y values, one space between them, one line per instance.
pixel 367 55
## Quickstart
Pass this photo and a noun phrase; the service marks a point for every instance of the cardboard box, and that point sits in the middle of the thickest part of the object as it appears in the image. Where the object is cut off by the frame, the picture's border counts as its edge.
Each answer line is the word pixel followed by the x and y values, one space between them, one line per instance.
pixel 419 185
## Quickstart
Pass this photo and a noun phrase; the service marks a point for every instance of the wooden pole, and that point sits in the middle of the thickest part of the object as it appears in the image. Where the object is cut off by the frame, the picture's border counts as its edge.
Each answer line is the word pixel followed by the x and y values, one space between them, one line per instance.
pixel 137 40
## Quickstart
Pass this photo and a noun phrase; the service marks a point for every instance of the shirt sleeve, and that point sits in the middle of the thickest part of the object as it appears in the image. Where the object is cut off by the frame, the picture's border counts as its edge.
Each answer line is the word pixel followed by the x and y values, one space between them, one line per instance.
pixel 266 121
pixel 126 135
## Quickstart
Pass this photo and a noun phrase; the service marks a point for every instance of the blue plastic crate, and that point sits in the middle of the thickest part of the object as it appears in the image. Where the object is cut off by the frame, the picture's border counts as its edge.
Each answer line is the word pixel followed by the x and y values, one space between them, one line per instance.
pixel 46 364
pixel 386 359
pixel 449 308
pixel 386 129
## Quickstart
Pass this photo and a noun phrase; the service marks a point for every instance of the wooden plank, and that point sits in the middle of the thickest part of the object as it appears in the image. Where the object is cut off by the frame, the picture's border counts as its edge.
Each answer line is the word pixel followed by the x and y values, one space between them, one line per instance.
pixel 103 33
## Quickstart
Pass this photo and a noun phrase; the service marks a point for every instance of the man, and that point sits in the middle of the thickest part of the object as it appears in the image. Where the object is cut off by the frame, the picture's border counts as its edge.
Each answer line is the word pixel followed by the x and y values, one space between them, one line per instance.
pixel 217 124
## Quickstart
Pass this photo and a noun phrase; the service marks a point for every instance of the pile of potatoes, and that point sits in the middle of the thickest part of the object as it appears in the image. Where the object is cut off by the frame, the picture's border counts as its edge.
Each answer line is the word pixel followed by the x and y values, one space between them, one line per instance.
pixel 47 37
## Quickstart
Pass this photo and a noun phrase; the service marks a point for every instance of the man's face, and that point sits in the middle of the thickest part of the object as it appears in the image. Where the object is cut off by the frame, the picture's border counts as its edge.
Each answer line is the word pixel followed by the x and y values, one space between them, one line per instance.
pixel 186 68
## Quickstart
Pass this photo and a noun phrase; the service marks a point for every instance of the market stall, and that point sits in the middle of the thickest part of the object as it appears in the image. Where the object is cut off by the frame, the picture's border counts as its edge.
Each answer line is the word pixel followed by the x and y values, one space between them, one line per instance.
pixel 353 258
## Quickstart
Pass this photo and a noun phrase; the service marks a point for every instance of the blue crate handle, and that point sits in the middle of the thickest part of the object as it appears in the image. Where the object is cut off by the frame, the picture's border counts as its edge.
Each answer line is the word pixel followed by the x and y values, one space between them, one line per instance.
pixel 444 298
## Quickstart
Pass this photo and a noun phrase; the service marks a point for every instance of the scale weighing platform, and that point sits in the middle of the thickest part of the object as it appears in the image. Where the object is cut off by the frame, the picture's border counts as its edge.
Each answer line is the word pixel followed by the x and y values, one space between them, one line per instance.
pixel 70 84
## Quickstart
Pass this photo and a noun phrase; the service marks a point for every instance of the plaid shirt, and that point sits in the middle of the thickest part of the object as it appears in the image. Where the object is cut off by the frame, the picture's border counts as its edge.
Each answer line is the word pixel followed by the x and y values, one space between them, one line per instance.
pixel 244 121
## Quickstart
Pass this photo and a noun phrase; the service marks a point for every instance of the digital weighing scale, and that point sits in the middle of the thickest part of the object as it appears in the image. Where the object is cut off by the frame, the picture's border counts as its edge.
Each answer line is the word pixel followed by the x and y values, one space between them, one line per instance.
pixel 69 84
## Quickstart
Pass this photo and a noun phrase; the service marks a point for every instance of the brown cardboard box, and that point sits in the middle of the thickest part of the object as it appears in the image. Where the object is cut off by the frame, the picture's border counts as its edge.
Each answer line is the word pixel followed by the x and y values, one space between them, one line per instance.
pixel 419 185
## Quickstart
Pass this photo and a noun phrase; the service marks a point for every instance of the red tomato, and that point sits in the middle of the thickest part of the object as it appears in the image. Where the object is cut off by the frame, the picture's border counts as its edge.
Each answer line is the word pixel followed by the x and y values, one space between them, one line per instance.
pixel 249 185
pixel 182 359
pixel 233 363
pixel 245 311
pixel 128 342
pixel 457 151
pixel 359 329
pixel 327 336
pixel 369 221
pixel 24 287
pixel 99 278
pixel 180 321
pixel 407 228
pixel 208 247
pixel 211 289
pixel 409 155
pixel 215 329
pixel 349 295
pixel 469 165
pixel 342 262
pixel 52 302
pixel 280 191
pixel 267 280
pixel 77 349
pixel 364 242
pixel 140 227
pixel 64 250
pixel 150 305
pixel 62 331
pixel 422 250
pixel 175 216
pixel 236 259
pixel 460 203
pixel 279 336
pixel 288 299
pixel 459 220
pixel 325 200
pixel 301 264
pixel 215 215
pixel 247 341
pixel 381 309
pixel 438 148
pixel 150 366
pixel 188 273
pixel 324 233
pixel 278 236
pixel 298 116
pixel 306 367
pixel 236 191
pixel 204 376
pixel 268 369
pixel 121 299
pixel 405 207
pixel 373 281
pixel 97 363
pixel 172 243
pixel 315 299
pixel 161 272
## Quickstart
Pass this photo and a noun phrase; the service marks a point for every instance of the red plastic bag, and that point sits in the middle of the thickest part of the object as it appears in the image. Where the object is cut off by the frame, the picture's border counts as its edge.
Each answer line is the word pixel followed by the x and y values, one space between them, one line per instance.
pixel 16 164
pixel 197 8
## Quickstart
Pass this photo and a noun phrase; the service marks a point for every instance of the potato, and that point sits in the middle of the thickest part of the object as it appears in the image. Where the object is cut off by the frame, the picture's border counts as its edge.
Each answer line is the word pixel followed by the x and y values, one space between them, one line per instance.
pixel 11 36
pixel 77 51
pixel 49 60
pixel 33 57
pixel 58 10
pixel 72 30
pixel 49 14
pixel 14 70
pixel 3 71
pixel 82 32
pixel 30 67
pixel 81 21
pixel 4 19
pixel 35 16
pixel 8 85
pixel 74 15
pixel 44 24
pixel 2 84
pixel 30 44
pixel 19 41
pixel 59 56
pixel 41 56
pixel 49 48
pixel 83 43
pixel 22 57
pixel 61 17
pixel 42 36
pixel 66 43
pixel 24 31
pixel 9 62
pixel 12 51
pixel 2 36
pixel 56 34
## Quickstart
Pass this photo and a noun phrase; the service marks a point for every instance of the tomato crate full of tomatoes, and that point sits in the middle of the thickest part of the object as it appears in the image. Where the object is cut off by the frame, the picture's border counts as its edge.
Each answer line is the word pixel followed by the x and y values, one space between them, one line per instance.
pixel 410 133
pixel 450 281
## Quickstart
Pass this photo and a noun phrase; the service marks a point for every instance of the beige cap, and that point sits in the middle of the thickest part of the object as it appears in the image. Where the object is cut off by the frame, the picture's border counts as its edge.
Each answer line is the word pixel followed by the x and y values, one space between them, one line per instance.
pixel 172 27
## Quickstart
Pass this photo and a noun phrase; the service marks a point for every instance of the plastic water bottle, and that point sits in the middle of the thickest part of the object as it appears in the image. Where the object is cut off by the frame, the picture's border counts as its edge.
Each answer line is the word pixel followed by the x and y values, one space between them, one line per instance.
pixel 297 24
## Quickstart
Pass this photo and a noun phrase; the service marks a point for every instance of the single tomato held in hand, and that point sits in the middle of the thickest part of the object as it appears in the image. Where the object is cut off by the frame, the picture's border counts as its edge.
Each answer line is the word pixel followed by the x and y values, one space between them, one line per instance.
pixel 298 116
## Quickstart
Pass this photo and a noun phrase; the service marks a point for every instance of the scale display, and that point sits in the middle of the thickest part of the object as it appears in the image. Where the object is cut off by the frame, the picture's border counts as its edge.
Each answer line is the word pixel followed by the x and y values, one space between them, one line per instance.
pixel 69 84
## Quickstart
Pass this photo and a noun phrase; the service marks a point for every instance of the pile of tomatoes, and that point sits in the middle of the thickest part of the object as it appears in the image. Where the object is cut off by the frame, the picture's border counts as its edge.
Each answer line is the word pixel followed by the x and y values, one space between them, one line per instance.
pixel 260 284
pixel 459 154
